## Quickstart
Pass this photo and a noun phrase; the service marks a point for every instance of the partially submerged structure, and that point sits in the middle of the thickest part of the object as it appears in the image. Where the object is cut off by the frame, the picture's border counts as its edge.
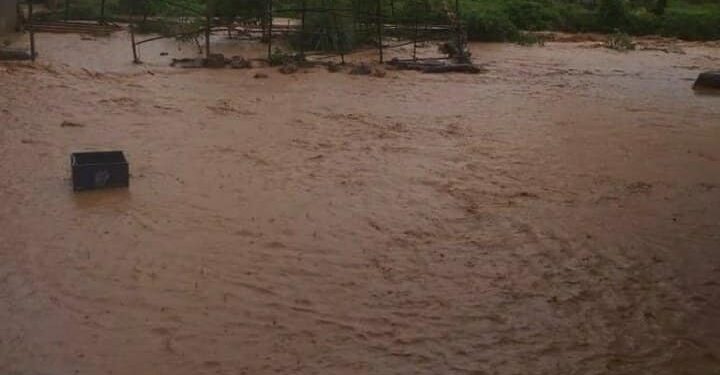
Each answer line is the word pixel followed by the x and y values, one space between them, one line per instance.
pixel 314 27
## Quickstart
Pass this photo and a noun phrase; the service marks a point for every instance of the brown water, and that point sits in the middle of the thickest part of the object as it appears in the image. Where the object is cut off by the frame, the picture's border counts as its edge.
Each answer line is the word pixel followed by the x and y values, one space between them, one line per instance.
pixel 557 215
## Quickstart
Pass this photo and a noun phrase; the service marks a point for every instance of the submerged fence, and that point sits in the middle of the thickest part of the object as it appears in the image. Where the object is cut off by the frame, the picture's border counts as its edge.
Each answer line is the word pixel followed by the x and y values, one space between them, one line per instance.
pixel 328 30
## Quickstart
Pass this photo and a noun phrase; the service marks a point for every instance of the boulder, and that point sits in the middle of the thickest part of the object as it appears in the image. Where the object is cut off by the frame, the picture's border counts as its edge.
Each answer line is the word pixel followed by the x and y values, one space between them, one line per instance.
pixel 237 62
pixel 333 67
pixel 215 60
pixel 379 73
pixel 289 68
pixel 197 62
pixel 361 70
pixel 708 80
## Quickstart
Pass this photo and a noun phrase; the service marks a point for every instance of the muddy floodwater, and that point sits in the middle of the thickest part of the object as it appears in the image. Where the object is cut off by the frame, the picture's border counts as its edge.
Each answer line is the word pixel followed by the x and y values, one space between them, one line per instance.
pixel 559 214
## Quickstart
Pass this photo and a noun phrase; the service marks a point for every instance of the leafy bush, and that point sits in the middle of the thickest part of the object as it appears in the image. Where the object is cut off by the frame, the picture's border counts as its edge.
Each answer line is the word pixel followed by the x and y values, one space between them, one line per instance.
pixel 280 57
pixel 613 14
pixel 532 15
pixel 529 39
pixel 643 22
pixel 620 41
pixel 692 25
pixel 491 26
pixel 575 18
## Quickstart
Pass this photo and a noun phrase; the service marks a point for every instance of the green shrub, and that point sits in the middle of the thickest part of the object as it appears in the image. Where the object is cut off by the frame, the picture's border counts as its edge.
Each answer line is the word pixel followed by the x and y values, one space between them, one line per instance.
pixel 613 14
pixel 692 25
pixel 575 18
pixel 532 15
pixel 620 41
pixel 643 22
pixel 529 39
pixel 490 26
pixel 280 57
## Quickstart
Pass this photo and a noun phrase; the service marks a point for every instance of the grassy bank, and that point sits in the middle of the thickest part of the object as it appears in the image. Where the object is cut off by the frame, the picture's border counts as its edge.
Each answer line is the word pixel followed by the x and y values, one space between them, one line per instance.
pixel 500 20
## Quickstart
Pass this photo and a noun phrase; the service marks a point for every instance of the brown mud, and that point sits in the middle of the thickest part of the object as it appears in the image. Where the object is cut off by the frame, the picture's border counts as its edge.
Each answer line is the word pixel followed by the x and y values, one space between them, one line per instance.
pixel 559 214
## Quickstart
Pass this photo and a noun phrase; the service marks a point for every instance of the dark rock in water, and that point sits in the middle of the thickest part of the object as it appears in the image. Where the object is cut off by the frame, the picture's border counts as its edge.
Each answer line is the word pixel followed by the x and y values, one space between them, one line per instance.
pixel 361 70
pixel 333 68
pixel 435 66
pixel 379 73
pixel 448 49
pixel 237 62
pixel 70 124
pixel 289 68
pixel 260 75
pixel 14 54
pixel 163 53
pixel 453 68
pixel 197 62
pixel 708 80
pixel 215 60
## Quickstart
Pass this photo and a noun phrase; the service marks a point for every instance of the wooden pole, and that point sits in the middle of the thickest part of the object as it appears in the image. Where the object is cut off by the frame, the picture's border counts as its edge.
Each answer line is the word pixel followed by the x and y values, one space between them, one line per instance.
pixel 207 37
pixel 210 12
pixel 132 33
pixel 460 44
pixel 32 45
pixel 32 31
pixel 302 30
pixel 134 46
pixel 270 28
pixel 415 37
pixel 67 10
pixel 102 11
pixel 379 20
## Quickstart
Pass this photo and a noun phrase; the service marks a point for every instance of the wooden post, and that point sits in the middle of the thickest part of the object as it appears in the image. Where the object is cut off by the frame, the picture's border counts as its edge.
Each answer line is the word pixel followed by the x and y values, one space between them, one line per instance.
pixel 270 28
pixel 207 37
pixel 302 30
pixel 460 43
pixel 415 37
pixel 210 12
pixel 32 45
pixel 67 10
pixel 32 31
pixel 132 33
pixel 102 11
pixel 379 20
pixel 134 47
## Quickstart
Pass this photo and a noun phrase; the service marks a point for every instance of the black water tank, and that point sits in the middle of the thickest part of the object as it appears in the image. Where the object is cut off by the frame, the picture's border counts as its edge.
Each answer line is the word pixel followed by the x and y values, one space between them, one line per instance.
pixel 99 170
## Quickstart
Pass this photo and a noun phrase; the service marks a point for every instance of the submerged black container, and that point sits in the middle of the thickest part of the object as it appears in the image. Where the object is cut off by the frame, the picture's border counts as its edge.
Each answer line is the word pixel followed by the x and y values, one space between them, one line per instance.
pixel 99 170
pixel 708 80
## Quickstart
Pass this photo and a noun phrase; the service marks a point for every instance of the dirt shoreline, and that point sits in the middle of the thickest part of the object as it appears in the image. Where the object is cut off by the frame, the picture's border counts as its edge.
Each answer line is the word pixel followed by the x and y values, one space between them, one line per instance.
pixel 558 214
